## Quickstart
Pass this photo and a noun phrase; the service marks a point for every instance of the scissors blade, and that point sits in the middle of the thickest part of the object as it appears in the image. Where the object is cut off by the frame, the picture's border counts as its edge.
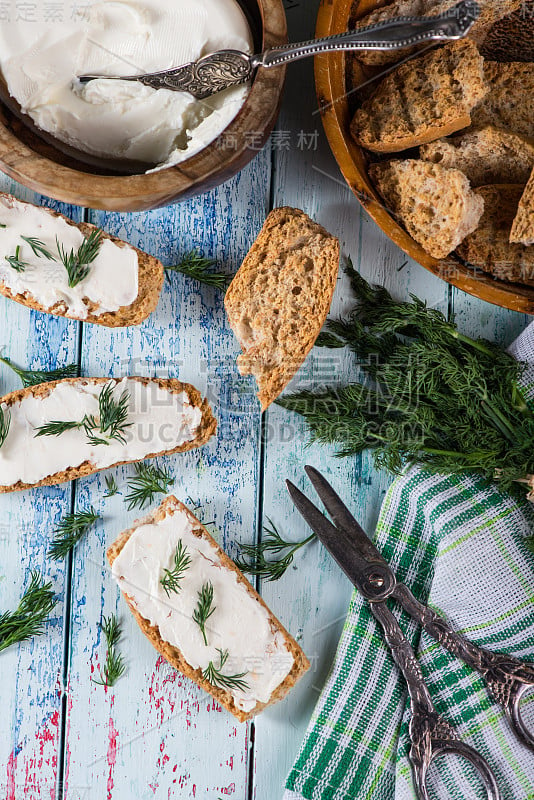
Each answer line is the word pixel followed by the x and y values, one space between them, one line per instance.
pixel 374 581
pixel 342 517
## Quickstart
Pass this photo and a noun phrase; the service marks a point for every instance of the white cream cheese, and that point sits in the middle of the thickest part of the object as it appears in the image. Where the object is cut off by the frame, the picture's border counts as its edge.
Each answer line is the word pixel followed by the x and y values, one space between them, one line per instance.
pixel 40 59
pixel 161 420
pixel 113 277
pixel 239 624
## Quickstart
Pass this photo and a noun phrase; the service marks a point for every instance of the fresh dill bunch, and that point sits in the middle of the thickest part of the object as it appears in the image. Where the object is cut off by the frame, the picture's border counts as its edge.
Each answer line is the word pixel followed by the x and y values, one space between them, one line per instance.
pixel 5 422
pixel 31 377
pixel 172 577
pixel 196 266
pixel 428 394
pixel 204 609
pixel 29 617
pixel 263 560
pixel 16 262
pixel 111 423
pixel 77 262
pixel 149 481
pixel 214 674
pixel 70 530
pixel 38 247
pixel 112 487
pixel 114 668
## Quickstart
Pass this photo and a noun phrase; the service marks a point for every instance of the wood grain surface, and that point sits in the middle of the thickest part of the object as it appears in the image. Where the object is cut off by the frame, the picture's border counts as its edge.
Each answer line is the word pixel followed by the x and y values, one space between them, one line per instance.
pixel 155 735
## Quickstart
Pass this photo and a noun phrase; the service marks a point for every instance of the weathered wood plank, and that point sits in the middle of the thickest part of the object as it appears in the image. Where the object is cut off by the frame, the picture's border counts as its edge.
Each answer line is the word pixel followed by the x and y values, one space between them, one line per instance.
pixel 155 734
pixel 312 598
pixel 32 673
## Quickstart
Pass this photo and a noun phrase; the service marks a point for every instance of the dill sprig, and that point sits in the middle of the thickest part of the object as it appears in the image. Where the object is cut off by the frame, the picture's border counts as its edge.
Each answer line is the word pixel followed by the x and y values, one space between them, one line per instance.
pixel 204 609
pixel 5 422
pixel 214 675
pixel 29 617
pixel 70 530
pixel 114 667
pixel 39 248
pixel 16 262
pixel 77 262
pixel 429 394
pixel 262 561
pixel 149 481
pixel 172 577
pixel 111 422
pixel 112 487
pixel 31 377
pixel 196 266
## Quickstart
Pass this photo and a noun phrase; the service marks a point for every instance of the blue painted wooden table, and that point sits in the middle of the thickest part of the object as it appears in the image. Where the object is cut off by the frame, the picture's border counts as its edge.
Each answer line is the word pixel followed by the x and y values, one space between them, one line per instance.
pixel 155 735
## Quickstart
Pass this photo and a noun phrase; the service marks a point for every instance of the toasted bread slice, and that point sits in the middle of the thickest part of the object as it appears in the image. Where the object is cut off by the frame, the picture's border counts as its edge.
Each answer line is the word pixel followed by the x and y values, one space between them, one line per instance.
pixel 508 104
pixel 422 100
pixel 230 589
pixel 278 301
pixel 163 416
pixel 436 205
pixel 523 225
pixel 491 12
pixel 488 248
pixel 150 278
pixel 485 156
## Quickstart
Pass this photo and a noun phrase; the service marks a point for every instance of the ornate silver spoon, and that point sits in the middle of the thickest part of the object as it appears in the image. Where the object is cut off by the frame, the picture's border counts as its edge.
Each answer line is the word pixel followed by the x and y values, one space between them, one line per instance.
pixel 218 71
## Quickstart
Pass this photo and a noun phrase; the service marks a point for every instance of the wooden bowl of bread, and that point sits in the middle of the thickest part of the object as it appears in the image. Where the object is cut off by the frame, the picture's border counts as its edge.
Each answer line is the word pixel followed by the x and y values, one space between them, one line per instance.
pixel 439 147
pixel 43 164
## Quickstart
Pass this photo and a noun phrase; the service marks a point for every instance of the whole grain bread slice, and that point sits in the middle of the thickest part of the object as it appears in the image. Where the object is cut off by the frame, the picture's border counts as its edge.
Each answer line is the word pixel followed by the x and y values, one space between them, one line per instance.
pixel 491 11
pixel 485 156
pixel 523 225
pixel 488 248
pixel 436 205
pixel 278 301
pixel 150 282
pixel 173 655
pixel 422 100
pixel 205 430
pixel 508 103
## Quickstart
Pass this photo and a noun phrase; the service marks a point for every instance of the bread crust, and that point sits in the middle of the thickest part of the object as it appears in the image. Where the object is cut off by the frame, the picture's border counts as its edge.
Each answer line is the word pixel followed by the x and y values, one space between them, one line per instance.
pixel 173 655
pixel 261 292
pixel 205 431
pixel 150 281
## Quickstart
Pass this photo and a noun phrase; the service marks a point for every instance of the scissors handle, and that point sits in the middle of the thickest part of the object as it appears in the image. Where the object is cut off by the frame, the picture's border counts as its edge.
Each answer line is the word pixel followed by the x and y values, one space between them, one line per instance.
pixel 506 677
pixel 430 734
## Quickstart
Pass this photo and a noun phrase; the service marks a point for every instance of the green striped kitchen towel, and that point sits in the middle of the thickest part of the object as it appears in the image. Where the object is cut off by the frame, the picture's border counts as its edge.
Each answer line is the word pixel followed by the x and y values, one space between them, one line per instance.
pixel 459 544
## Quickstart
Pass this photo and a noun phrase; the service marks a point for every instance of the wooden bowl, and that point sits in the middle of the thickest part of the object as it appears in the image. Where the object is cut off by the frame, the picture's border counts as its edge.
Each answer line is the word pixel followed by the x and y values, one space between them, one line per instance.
pixel 337 109
pixel 48 167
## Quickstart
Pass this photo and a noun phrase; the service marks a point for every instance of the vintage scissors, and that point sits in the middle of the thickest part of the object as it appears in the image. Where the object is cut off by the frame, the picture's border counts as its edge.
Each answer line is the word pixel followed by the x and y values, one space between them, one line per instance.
pixel 507 678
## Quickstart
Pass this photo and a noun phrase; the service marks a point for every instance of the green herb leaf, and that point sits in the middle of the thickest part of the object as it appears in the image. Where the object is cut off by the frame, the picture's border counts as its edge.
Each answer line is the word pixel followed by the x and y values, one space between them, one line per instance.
pixel 172 577
pixel 111 424
pixel 204 609
pixel 16 262
pixel 262 561
pixel 111 486
pixel 38 247
pixel 77 262
pixel 29 617
pixel 428 394
pixel 114 667
pixel 150 480
pixel 195 266
pixel 70 530
pixel 34 377
pixel 5 422
pixel 214 675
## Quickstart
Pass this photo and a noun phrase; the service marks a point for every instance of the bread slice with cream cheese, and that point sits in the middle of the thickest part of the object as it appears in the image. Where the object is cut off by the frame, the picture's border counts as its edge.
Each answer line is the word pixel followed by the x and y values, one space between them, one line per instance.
pixel 122 285
pixel 60 431
pixel 242 655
